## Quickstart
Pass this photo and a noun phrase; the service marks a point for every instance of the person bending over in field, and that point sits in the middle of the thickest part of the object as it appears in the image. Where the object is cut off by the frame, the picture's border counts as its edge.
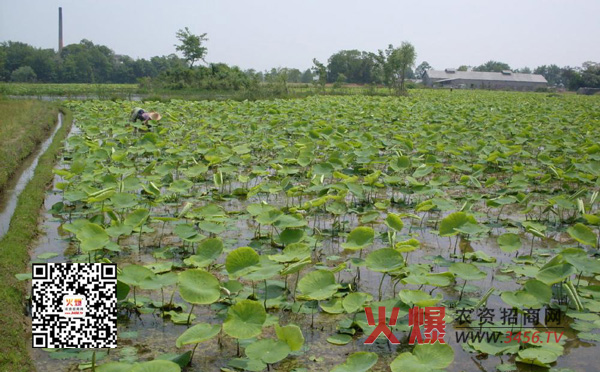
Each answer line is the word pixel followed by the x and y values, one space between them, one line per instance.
pixel 143 116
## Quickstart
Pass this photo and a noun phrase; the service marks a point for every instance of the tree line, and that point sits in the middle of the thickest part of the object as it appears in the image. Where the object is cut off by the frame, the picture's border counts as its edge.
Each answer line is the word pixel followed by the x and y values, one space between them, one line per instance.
pixel 87 62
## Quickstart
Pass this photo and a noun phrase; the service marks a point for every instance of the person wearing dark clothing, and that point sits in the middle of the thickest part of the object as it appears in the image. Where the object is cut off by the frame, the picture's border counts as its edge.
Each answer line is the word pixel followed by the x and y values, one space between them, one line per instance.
pixel 143 116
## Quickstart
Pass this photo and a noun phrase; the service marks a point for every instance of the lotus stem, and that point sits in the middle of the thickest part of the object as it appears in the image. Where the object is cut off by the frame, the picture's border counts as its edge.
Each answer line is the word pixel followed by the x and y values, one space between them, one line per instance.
pixel 190 314
pixel 461 291
pixel 296 284
pixel 265 303
pixel 193 351
pixel 380 284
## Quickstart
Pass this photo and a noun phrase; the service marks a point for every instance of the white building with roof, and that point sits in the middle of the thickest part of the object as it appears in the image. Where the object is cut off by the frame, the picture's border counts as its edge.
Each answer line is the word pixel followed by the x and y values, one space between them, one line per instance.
pixel 507 80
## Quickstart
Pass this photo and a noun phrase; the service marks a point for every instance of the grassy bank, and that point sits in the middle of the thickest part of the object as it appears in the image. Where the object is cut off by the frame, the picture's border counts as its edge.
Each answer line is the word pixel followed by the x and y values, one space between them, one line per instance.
pixel 14 259
pixel 23 126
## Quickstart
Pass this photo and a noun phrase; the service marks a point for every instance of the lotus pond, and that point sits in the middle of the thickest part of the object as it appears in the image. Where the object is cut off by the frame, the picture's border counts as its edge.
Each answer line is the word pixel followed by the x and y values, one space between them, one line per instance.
pixel 252 235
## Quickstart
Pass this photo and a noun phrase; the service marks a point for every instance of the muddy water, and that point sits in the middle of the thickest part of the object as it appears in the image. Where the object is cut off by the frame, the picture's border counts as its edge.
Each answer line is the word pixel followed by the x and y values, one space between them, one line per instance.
pixel 8 199
pixel 147 336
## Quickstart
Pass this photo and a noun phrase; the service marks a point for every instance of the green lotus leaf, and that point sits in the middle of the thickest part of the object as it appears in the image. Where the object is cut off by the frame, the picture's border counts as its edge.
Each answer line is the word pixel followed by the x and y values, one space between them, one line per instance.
pixel 288 221
pixel 361 361
pixel 290 236
pixel 359 238
pixel 241 261
pixel 296 266
pixel 292 253
pixel 119 229
pixel 245 364
pixel 268 350
pixel 135 275
pixel 538 356
pixel 137 218
pixel 419 298
pixel 211 227
pixel 354 301
pixel 245 319
pixel 424 358
pixel 580 259
pixel 556 273
pixel 318 285
pixel 451 224
pixel 592 219
pixel 182 359
pixel 257 209
pixel 188 232
pixel 123 200
pixel 332 306
pixel 92 237
pixel 265 269
pixel 498 347
pixel 269 216
pixel 534 294
pixel 466 271
pixel 323 168
pixel 156 366
pixel 198 333
pixel 407 245
pixel 583 234
pixel 199 287
pixel 393 221
pixel 114 367
pixel 385 260
pixel 435 279
pixel 339 339
pixel 207 252
pixel 422 171
pixel 290 334
pixel 181 186
pixel 509 242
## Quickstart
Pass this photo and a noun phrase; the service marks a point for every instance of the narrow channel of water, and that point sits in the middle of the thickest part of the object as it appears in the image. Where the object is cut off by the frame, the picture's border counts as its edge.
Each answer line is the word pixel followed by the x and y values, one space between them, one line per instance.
pixel 8 200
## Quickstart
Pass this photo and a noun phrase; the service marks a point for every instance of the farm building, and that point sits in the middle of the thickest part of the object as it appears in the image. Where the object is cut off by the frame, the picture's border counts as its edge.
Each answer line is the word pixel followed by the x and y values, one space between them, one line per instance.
pixel 509 80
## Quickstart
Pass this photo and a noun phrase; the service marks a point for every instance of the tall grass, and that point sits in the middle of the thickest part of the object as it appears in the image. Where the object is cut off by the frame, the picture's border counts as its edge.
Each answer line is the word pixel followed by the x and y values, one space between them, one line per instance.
pixel 23 126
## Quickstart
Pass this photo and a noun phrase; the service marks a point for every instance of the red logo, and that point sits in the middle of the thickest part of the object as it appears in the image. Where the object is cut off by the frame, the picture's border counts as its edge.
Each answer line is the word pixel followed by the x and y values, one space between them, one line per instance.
pixel 382 326
pixel 431 318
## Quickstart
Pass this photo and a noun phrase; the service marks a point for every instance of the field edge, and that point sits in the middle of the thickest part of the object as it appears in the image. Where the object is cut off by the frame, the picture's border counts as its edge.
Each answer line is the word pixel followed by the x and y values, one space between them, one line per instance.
pixel 14 257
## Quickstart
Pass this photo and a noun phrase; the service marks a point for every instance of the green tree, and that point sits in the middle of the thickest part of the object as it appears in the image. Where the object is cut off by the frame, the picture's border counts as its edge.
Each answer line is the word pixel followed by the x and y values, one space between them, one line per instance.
pixel 492 66
pixel 552 73
pixel 357 66
pixel 463 68
pixel 294 75
pixel 396 65
pixel 339 81
pixel 23 74
pixel 524 70
pixel 45 64
pixel 307 77
pixel 16 53
pixel 3 72
pixel 191 46
pixel 590 74
pixel 420 70
pixel 321 71
pixel 86 63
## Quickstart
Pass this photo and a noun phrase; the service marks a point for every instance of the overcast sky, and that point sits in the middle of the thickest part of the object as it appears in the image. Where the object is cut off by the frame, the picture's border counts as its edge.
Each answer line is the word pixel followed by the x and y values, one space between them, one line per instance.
pixel 263 34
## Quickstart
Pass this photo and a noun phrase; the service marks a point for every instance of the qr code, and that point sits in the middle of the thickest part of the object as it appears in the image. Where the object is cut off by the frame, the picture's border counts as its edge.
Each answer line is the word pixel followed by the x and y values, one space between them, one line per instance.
pixel 74 305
